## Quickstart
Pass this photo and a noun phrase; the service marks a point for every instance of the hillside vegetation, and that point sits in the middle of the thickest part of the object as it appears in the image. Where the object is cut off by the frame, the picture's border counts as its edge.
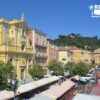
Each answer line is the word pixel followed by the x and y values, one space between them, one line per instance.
pixel 88 43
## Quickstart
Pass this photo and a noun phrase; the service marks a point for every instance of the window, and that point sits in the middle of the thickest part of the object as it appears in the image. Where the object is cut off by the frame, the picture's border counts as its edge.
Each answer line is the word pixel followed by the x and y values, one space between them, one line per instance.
pixel 30 42
pixel 69 54
pixel 23 45
pixel 86 60
pixel 36 41
pixel 10 59
pixel 23 33
pixel 22 73
pixel 36 61
pixel 82 52
pixel 12 32
pixel 5 29
pixel 30 66
pixel 63 59
pixel 37 51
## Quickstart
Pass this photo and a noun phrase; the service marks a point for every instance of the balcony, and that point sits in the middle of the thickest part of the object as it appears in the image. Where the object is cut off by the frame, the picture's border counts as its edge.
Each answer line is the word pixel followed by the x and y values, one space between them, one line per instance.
pixel 41 44
pixel 29 50
pixel 41 55
pixel 37 54
pixel 16 49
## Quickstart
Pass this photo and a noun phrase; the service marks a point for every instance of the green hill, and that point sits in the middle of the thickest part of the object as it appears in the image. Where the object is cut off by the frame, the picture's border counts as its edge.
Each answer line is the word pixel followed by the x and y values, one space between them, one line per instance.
pixel 89 43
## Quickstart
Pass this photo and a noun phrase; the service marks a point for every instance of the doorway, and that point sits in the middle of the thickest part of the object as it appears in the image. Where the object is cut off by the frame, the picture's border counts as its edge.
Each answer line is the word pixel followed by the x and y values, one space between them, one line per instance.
pixel 22 73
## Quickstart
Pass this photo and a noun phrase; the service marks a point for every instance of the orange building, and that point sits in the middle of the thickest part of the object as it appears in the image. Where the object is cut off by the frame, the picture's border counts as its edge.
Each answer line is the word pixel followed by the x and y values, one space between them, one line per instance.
pixel 52 51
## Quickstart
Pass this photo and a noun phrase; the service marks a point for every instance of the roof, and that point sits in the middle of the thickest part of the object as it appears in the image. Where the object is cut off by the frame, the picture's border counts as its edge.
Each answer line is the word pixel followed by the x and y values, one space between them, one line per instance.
pixel 5 95
pixel 36 84
pixel 72 48
pixel 56 91
pixel 63 49
pixel 39 31
pixel 97 50
pixel 59 90
pixel 86 97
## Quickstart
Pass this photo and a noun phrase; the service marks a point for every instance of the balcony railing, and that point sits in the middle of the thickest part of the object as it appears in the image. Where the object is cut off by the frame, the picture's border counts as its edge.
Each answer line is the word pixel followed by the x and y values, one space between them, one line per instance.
pixel 41 55
pixel 11 48
pixel 41 44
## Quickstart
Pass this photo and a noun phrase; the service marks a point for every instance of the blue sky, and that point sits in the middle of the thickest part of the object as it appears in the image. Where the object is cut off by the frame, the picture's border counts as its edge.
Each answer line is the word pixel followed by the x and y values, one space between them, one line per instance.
pixel 54 17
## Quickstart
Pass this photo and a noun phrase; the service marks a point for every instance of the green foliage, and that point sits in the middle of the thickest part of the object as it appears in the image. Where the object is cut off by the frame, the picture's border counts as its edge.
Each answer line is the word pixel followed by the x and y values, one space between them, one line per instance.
pixel 6 70
pixel 89 43
pixel 36 71
pixel 56 67
pixel 81 69
pixel 69 67
pixel 77 69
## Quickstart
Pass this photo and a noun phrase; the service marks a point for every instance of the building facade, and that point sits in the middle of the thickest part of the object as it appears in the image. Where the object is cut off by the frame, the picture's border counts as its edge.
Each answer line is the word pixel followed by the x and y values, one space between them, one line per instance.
pixel 52 51
pixel 80 55
pixel 96 56
pixel 15 46
pixel 39 42
pixel 64 55
pixel 86 56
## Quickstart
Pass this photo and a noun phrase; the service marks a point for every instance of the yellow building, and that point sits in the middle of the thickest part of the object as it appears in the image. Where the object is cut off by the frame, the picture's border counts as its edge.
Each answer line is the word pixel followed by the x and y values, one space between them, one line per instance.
pixel 64 55
pixel 80 55
pixel 15 46
pixel 96 55
pixel 86 56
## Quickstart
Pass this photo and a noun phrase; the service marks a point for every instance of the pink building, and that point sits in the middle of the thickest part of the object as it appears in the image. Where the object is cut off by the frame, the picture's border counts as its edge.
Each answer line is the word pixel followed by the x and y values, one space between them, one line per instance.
pixel 39 42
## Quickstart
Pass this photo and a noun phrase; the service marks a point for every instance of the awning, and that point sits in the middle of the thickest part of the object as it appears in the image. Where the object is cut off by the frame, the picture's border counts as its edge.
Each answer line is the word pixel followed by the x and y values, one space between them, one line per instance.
pixel 40 97
pixel 5 95
pixel 36 84
pixel 56 91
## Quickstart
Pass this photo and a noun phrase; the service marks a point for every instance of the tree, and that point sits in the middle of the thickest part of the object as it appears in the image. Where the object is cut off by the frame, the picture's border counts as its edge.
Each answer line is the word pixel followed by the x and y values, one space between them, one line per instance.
pixel 78 40
pixel 6 70
pixel 81 69
pixel 69 67
pixel 36 71
pixel 56 67
pixel 77 69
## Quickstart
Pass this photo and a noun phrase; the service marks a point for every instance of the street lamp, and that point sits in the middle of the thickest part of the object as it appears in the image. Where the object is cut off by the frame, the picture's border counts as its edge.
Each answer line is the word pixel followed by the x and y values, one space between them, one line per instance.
pixel 12 83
